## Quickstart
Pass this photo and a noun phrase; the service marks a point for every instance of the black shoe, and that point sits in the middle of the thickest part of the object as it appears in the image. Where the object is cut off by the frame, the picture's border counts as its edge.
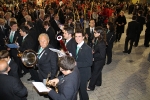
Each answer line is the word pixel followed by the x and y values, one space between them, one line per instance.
pixel 108 63
pixel 129 52
pixel 30 79
pixel 125 51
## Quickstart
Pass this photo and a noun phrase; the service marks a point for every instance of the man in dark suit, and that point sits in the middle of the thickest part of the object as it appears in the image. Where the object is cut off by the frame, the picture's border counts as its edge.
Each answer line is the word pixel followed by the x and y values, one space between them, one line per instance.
pixel 39 23
pixel 4 54
pixel 70 42
pixel 132 31
pixel 61 14
pixel 84 61
pixel 47 59
pixel 141 20
pixel 36 13
pixel 15 37
pixel 51 33
pixel 11 87
pixel 68 83
pixel 90 32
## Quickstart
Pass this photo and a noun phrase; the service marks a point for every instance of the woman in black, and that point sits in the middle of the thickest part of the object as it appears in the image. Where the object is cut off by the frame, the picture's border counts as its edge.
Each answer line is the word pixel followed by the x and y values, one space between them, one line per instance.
pixel 99 54
pixel 120 22
pixel 110 37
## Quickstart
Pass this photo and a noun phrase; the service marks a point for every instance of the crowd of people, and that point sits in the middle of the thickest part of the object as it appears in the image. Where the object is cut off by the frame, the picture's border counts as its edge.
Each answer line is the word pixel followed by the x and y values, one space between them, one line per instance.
pixel 89 30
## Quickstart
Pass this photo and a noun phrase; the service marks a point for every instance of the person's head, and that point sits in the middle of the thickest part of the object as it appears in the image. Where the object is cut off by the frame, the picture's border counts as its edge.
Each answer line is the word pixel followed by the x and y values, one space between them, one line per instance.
pixel 7 15
pixel 29 24
pixel 4 54
pixel 13 26
pixel 110 26
pixel 43 40
pixel 79 36
pixel 92 23
pixel 67 32
pixel 4 67
pixel 133 17
pixel 100 33
pixel 46 24
pixel 70 20
pixel 47 17
pixel 2 21
pixel 24 30
pixel 140 13
pixel 28 18
pixel 121 13
pixel 66 64
pixel 56 17
pixel 41 16
pixel 13 19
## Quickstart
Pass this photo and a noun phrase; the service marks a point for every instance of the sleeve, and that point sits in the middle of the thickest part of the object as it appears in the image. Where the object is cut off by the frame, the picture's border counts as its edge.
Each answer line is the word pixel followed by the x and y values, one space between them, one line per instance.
pixel 19 89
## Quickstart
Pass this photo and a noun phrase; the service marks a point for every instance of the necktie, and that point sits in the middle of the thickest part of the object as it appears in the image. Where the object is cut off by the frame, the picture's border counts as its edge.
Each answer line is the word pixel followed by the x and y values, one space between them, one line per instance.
pixel 11 36
pixel 40 50
pixel 77 50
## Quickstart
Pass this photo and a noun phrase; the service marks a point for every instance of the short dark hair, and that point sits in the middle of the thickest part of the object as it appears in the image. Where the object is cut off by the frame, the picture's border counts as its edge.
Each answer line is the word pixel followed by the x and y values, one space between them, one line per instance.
pixel 4 54
pixel 140 12
pixel 24 29
pixel 30 23
pixel 12 23
pixel 133 17
pixel 79 31
pixel 46 16
pixel 67 63
pixel 46 23
pixel 69 30
pixel 111 26
pixel 102 32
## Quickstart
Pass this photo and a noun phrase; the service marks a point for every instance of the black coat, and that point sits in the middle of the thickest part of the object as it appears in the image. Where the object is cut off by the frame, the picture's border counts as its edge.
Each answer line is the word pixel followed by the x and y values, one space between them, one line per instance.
pixel 90 36
pixel 11 88
pixel 52 36
pixel 27 43
pixel 67 87
pixel 84 60
pixel 47 63
pixel 55 26
pixel 2 37
pixel 71 47
pixel 13 69
pixel 39 26
pixel 132 29
pixel 141 21
pixel 120 20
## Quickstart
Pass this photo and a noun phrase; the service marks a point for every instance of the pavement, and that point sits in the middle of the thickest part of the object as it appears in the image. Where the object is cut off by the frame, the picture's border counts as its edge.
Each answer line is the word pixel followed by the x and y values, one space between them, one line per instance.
pixel 126 78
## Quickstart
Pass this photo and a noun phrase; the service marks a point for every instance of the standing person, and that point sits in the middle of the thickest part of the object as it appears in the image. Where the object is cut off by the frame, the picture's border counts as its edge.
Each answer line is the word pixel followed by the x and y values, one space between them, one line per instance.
pixel 110 37
pixel 47 59
pixel 99 55
pixel 4 54
pixel 70 41
pixel 11 87
pixel 132 31
pixel 147 33
pixel 141 21
pixel 84 60
pixel 120 22
pixel 68 83
pixel 90 32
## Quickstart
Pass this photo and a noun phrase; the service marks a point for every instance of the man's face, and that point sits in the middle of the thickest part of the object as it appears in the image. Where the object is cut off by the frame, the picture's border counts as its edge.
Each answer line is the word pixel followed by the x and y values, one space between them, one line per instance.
pixel 79 38
pixel 14 27
pixel 65 34
pixel 43 41
pixel 92 23
pixel 22 33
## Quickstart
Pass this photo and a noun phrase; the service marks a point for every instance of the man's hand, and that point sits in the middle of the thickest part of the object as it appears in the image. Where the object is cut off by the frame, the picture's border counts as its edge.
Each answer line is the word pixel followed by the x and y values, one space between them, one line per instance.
pixel 53 82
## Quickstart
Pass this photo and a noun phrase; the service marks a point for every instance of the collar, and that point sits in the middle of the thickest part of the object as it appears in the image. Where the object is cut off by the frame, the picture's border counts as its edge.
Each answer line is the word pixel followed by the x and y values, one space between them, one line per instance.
pixel 92 28
pixel 9 61
pixel 47 28
pixel 25 36
pixel 79 45
pixel 68 40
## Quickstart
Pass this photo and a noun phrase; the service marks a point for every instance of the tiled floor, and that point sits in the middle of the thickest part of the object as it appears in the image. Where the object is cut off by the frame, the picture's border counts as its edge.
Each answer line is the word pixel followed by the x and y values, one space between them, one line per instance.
pixel 126 78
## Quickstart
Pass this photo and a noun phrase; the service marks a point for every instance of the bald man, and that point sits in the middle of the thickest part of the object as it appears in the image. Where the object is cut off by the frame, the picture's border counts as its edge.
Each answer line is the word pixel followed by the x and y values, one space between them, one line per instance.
pixel 11 88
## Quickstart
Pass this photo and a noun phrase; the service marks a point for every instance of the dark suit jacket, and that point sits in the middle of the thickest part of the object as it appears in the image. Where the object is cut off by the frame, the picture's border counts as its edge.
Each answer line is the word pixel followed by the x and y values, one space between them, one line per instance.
pixel 84 61
pixel 39 25
pixel 110 38
pixel 141 21
pixel 52 36
pixel 99 51
pixel 90 36
pixel 2 36
pixel 71 47
pixel 132 29
pixel 27 43
pixel 61 16
pixel 13 69
pixel 36 14
pixel 11 88
pixel 68 87
pixel 47 63
pixel 55 26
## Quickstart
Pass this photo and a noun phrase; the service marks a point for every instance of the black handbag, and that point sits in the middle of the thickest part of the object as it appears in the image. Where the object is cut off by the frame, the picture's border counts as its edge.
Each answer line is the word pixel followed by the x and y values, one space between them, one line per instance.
pixel 148 57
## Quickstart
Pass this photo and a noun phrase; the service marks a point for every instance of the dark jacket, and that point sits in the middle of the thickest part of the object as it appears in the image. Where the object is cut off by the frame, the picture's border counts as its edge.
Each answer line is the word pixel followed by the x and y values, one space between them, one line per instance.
pixel 67 87
pixel 11 88
pixel 141 21
pixel 120 20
